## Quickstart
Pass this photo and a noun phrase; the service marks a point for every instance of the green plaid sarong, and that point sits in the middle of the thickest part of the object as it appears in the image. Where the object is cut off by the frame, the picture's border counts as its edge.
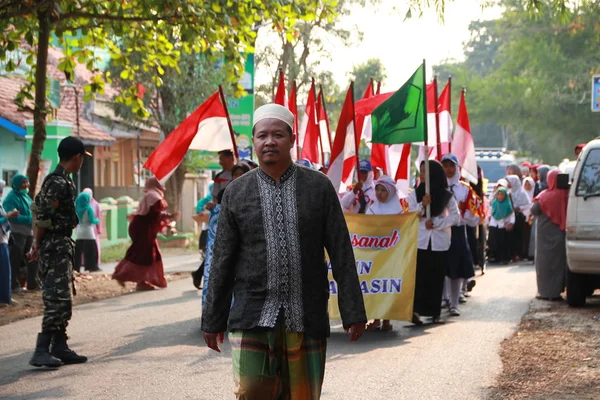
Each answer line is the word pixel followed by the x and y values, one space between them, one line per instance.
pixel 270 364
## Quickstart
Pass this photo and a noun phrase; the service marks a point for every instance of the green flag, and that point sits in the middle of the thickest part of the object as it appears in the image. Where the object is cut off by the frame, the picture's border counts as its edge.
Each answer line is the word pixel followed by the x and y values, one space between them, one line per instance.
pixel 403 117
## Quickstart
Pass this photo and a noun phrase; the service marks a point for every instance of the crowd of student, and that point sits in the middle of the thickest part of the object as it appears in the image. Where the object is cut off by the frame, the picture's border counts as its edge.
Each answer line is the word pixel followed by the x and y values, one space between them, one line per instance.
pixel 466 228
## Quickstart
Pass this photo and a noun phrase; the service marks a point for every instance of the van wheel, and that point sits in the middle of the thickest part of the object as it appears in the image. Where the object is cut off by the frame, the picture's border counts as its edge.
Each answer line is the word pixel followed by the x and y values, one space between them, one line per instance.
pixel 576 289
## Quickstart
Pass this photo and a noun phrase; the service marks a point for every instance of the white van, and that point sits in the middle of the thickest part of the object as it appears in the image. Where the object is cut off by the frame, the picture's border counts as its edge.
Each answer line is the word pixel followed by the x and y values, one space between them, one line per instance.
pixel 583 226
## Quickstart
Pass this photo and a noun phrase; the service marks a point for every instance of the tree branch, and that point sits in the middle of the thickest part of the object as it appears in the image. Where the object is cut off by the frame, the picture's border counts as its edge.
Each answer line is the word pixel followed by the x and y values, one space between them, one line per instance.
pixel 19 12
pixel 110 17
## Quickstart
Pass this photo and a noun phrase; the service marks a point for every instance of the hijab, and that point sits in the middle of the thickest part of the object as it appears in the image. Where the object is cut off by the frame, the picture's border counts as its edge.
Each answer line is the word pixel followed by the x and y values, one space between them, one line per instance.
pixel 154 192
pixel 83 205
pixel 501 209
pixel 514 169
pixel 89 191
pixel 18 198
pixel 553 201
pixel 392 204
pixel 530 192
pixel 440 194
pixel 517 194
pixel 543 176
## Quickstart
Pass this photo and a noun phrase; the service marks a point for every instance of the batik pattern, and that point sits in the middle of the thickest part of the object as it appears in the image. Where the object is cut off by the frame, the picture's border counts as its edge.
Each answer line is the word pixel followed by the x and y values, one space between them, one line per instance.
pixel 284 279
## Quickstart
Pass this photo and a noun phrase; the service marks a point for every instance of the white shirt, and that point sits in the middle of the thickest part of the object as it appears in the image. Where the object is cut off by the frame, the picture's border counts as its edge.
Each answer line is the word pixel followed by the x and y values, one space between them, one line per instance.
pixel 501 224
pixel 441 234
pixel 86 230
pixel 351 201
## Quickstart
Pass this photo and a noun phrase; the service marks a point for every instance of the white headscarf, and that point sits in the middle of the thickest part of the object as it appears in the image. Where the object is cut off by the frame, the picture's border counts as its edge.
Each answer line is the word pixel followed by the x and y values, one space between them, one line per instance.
pixel 517 194
pixel 392 204
pixel 531 191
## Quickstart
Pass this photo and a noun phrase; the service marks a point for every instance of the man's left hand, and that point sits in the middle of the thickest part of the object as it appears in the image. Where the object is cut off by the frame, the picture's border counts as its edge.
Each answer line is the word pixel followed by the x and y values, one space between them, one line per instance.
pixel 356 331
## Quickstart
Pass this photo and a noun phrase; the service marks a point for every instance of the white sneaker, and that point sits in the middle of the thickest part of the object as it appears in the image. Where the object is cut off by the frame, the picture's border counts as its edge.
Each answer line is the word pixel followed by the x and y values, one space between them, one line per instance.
pixel 454 312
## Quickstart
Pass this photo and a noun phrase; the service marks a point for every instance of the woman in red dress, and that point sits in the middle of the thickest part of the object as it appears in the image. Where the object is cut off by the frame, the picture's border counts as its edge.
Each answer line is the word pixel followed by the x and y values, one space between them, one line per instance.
pixel 143 261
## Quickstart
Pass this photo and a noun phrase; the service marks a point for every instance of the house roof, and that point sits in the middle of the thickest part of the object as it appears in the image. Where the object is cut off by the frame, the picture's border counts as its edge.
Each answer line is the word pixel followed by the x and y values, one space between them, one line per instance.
pixel 86 131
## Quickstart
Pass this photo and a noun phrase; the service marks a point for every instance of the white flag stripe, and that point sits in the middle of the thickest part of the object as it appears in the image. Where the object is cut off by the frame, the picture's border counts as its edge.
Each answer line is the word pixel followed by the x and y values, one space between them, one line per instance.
pixel 336 167
pixel 445 127
pixel 212 135
pixel 464 149
pixel 324 136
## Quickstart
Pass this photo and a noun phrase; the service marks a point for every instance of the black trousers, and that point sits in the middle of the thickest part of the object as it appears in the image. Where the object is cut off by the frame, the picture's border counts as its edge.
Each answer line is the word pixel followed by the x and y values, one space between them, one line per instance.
pixel 516 242
pixel 19 246
pixel 89 250
pixel 502 245
pixel 429 283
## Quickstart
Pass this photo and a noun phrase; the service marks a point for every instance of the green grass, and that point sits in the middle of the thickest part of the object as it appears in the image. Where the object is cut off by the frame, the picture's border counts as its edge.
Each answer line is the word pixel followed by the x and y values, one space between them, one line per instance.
pixel 114 253
pixel 117 252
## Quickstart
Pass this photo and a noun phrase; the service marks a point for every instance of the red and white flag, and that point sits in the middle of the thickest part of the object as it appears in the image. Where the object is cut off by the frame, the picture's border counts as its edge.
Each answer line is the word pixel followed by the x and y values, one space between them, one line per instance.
pixel 325 139
pixel 399 162
pixel 207 128
pixel 445 126
pixel 309 130
pixel 280 93
pixel 344 151
pixel 463 145
pixel 293 107
pixel 369 91
pixel 363 111
pixel 445 118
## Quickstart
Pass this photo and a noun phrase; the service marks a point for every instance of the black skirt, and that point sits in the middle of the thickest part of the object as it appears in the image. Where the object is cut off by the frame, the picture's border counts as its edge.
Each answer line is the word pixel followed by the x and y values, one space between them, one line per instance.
pixel 460 261
pixel 429 283
pixel 473 245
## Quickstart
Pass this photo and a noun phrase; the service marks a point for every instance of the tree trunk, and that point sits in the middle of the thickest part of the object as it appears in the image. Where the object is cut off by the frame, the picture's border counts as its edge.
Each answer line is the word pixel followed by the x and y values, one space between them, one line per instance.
pixel 174 189
pixel 39 112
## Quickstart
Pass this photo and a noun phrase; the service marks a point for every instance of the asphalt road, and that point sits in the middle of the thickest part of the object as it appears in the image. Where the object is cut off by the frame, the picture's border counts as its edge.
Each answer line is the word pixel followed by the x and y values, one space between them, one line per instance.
pixel 149 346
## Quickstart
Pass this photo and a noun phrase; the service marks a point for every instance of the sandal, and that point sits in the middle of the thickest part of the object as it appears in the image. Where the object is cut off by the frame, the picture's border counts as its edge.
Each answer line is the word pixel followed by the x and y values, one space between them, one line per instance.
pixel 387 327
pixel 437 320
pixel 373 326
pixel 142 286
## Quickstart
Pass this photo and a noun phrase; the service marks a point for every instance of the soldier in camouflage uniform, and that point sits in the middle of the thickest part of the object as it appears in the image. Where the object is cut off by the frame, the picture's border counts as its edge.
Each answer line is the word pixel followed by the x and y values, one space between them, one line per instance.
pixel 55 219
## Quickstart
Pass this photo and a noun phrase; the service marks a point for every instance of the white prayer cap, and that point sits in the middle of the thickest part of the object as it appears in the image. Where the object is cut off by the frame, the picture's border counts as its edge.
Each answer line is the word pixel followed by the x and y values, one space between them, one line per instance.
pixel 274 111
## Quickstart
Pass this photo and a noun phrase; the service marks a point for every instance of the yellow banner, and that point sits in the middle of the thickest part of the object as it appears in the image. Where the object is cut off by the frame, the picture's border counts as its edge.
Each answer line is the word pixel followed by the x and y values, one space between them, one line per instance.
pixel 385 248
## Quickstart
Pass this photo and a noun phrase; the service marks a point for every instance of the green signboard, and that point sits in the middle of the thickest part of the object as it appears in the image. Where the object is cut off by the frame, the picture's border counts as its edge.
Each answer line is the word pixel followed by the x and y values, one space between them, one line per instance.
pixel 241 111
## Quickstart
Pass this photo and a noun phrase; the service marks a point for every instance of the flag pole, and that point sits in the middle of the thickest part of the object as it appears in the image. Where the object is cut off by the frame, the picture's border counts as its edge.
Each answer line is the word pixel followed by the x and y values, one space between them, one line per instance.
pixel 372 87
pixel 437 120
pixel 450 104
pixel 356 139
pixel 295 118
pixel 317 112
pixel 235 149
pixel 426 148
pixel 327 119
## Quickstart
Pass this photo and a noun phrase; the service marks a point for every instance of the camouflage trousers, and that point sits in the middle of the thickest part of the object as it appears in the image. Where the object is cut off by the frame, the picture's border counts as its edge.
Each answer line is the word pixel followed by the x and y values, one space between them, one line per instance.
pixel 56 270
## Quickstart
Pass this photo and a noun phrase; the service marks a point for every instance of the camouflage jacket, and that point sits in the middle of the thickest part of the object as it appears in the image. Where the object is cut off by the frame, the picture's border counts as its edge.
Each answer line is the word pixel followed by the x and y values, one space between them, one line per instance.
pixel 54 205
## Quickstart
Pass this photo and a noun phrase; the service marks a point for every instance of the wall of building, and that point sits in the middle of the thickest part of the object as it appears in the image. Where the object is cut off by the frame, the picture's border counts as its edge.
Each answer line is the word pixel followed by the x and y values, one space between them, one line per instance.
pixel 102 192
pixel 12 153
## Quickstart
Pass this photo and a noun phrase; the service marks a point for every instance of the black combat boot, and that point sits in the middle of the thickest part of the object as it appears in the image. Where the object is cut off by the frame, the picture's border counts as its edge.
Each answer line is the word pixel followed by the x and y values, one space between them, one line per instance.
pixel 41 357
pixel 61 350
